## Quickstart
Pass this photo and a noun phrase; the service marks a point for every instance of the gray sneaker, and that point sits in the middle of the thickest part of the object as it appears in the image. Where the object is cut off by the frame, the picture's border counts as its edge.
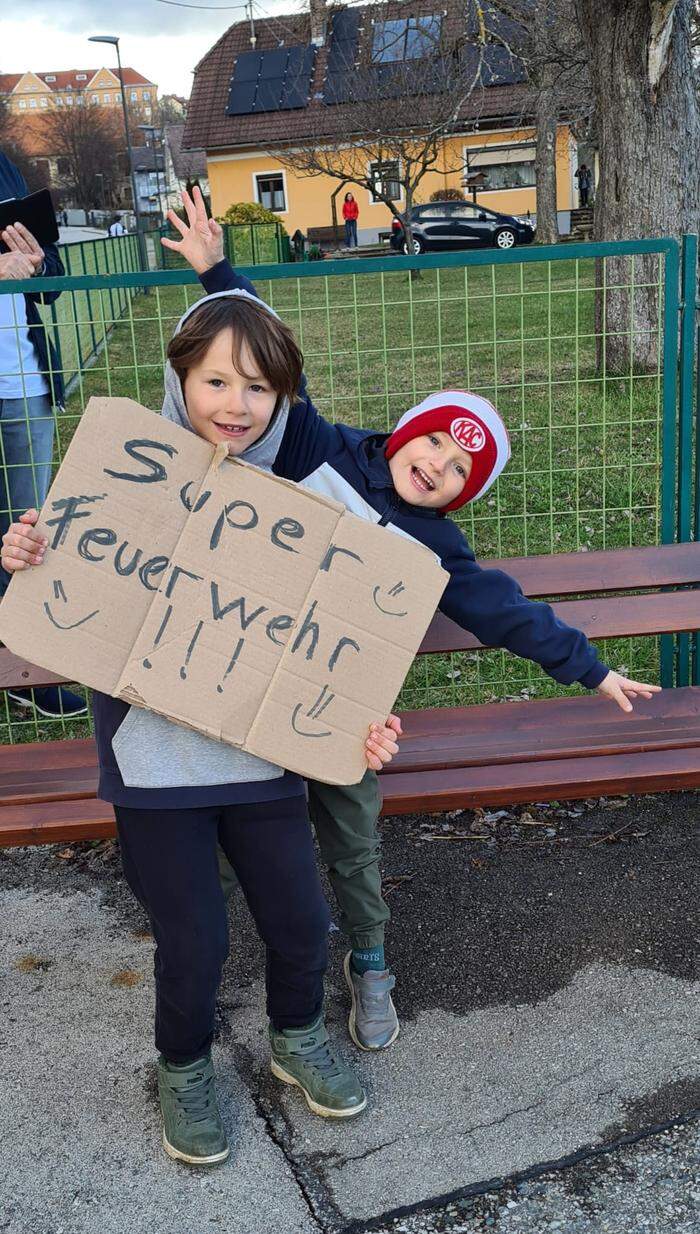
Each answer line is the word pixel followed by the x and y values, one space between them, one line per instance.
pixel 192 1126
pixel 373 1022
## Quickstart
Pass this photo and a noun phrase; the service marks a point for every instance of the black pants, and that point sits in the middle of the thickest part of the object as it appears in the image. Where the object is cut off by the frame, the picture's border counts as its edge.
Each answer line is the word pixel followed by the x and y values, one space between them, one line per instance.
pixel 170 864
pixel 583 194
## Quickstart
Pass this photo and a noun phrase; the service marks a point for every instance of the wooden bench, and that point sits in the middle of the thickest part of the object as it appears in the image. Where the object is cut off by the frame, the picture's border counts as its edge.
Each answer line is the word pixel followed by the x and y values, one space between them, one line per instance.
pixel 326 237
pixel 450 758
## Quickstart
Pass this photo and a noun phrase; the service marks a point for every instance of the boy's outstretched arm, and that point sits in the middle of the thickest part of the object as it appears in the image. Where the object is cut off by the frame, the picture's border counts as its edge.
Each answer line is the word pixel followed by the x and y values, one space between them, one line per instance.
pixel 491 605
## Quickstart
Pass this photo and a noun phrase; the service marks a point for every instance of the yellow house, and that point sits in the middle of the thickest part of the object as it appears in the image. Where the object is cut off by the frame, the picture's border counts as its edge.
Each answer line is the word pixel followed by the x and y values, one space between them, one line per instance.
pixel 32 93
pixel 249 104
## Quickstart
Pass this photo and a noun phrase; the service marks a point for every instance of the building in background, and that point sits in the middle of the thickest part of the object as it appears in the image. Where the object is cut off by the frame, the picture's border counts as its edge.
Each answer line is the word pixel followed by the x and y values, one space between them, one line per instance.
pixel 183 168
pixel 31 93
pixel 240 112
pixel 149 173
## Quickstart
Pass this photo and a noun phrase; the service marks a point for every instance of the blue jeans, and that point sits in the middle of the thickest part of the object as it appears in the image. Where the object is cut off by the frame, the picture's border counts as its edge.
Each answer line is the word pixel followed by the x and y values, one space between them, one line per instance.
pixel 351 233
pixel 26 446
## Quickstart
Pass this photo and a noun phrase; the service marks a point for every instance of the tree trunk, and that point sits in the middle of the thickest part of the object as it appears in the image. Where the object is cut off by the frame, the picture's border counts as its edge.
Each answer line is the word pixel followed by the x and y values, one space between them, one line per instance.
pixel 546 115
pixel 648 130
pixel 546 161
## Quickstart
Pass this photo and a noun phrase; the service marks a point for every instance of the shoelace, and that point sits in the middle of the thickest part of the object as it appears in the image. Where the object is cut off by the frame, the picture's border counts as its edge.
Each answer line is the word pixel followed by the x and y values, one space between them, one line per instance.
pixel 196 1101
pixel 324 1060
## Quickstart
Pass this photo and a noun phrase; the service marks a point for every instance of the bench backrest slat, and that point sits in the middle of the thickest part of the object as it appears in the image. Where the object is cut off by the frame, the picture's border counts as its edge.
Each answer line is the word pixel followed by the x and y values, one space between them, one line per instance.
pixel 623 569
pixel 602 617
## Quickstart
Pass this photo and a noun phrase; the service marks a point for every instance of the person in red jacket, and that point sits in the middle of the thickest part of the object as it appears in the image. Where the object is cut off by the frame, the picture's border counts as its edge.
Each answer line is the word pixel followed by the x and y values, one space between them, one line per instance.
pixel 350 213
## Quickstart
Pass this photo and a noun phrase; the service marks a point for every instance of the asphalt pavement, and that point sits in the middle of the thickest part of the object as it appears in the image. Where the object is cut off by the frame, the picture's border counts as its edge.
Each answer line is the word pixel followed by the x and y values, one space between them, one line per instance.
pixel 546 1076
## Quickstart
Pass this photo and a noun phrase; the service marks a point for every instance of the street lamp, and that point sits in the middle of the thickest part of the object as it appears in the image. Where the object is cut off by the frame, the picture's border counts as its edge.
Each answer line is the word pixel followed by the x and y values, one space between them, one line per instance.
pixel 113 40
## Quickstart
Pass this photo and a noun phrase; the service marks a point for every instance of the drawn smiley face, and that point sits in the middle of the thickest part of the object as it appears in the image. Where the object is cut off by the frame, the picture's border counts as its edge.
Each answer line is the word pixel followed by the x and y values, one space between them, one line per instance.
pixel 59 594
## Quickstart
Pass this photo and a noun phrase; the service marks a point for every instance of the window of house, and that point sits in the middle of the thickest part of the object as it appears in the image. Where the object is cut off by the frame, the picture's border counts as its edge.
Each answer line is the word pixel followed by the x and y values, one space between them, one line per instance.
pixel 44 102
pixel 59 101
pixel 81 77
pixel 270 192
pixel 94 98
pixel 509 175
pixel 134 96
pixel 23 104
pixel 69 100
pixel 117 98
pixel 146 94
pixel 107 98
pixel 409 38
pixel 33 103
pixel 49 77
pixel 385 177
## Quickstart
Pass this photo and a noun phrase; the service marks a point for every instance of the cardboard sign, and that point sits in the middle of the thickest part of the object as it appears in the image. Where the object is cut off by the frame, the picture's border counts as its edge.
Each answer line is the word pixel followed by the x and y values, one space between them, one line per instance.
pixel 246 607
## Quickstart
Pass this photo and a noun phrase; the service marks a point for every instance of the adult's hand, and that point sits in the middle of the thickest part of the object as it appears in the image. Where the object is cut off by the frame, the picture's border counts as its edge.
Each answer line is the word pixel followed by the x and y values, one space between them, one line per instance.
pixel 15 266
pixel 19 240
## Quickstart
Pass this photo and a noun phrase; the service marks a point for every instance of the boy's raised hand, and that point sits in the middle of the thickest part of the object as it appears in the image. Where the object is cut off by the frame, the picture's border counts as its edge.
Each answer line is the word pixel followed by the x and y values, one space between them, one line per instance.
pixel 620 689
pixel 202 243
pixel 382 744
pixel 23 544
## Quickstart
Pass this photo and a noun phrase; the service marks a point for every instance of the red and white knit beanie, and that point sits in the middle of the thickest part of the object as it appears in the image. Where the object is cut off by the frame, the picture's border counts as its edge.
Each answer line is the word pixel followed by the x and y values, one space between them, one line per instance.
pixel 473 423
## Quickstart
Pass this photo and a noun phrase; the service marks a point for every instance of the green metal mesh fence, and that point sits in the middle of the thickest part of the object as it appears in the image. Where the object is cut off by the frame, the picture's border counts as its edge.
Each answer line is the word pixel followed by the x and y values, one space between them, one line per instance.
pixel 585 400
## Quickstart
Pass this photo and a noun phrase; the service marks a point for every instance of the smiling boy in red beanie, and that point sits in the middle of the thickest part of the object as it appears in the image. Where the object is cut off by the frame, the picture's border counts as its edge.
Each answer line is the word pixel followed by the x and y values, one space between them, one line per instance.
pixel 443 453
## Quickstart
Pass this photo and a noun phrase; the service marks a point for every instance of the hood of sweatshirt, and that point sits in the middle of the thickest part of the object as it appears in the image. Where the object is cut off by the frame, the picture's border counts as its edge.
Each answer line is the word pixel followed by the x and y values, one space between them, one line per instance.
pixel 263 452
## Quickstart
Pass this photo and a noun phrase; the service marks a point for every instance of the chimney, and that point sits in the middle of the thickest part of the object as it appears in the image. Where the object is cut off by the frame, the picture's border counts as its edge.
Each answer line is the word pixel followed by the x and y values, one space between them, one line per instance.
pixel 317 9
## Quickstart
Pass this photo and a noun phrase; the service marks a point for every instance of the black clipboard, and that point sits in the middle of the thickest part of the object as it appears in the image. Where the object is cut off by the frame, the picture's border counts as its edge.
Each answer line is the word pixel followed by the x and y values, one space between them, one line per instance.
pixel 37 214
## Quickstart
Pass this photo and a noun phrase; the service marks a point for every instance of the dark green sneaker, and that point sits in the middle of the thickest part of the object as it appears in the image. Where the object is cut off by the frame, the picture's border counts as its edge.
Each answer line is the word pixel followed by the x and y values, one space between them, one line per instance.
pixel 192 1126
pixel 304 1057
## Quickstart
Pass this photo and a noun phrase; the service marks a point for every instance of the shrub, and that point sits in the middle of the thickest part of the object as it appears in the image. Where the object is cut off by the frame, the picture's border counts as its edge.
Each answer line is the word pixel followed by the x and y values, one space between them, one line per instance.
pixel 447 195
pixel 248 212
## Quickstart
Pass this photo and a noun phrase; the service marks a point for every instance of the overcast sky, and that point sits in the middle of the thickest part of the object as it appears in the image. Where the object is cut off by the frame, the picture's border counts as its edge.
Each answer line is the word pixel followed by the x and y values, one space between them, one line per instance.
pixel 160 40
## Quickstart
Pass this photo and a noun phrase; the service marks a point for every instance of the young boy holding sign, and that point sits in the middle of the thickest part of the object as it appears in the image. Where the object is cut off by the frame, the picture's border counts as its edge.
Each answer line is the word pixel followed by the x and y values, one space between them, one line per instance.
pixel 444 453
pixel 176 793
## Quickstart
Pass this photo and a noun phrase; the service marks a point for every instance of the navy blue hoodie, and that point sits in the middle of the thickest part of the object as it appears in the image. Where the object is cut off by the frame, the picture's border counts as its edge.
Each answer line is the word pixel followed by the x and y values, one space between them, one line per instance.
pixel 13 184
pixel 489 603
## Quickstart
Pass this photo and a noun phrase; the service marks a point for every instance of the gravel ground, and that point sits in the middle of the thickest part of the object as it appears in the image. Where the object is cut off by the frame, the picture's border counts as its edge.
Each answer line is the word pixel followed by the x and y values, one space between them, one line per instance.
pixel 651 1187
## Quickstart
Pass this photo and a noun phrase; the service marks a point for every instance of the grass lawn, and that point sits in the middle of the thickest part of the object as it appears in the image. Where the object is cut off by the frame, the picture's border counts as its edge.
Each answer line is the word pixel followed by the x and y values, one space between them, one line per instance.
pixel 584 472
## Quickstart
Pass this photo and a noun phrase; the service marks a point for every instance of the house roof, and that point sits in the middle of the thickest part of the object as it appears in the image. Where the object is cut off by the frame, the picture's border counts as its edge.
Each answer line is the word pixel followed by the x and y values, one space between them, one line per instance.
pixel 77 79
pixel 209 127
pixel 187 163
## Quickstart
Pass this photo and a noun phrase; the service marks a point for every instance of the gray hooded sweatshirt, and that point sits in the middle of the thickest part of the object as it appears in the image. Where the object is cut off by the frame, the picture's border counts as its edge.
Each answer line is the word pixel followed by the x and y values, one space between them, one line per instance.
pixel 151 751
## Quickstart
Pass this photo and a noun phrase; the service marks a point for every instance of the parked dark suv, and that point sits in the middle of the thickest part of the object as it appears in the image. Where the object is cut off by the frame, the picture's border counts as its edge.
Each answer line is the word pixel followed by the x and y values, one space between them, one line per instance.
pixel 460 225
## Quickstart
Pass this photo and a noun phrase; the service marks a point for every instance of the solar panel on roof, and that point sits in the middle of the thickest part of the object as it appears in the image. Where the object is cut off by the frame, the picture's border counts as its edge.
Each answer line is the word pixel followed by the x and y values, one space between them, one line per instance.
pixel 241 98
pixel 345 25
pixel 269 94
pixel 274 63
pixel 339 86
pixel 500 67
pixel 279 79
pixel 247 66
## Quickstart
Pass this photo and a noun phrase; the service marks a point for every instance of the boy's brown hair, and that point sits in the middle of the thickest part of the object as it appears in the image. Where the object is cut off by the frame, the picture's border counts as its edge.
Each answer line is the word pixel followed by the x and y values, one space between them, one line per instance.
pixel 270 341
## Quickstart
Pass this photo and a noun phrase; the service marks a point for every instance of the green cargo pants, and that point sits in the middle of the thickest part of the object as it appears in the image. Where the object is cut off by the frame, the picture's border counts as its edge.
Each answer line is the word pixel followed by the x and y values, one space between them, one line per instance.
pixel 345 820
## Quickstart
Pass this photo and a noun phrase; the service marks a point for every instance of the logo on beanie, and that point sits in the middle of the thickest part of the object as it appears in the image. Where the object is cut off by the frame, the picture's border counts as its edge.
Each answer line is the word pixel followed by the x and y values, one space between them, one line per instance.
pixel 468 434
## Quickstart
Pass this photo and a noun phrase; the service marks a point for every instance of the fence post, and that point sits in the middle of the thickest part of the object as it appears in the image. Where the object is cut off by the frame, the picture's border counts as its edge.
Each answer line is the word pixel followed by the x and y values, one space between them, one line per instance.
pixel 686 365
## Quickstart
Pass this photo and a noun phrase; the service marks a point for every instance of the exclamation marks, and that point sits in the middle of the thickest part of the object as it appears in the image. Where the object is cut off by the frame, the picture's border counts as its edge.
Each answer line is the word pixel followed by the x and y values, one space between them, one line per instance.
pixel 159 635
pixel 190 649
pixel 231 664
